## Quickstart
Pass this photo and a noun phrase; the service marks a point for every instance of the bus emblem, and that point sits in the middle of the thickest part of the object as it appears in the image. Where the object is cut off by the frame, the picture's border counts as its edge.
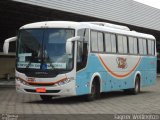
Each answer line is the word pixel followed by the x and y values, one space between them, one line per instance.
pixel 122 62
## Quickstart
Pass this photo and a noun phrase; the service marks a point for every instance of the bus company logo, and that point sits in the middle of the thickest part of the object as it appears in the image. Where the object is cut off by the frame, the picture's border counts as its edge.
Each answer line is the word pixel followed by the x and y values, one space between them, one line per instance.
pixel 122 62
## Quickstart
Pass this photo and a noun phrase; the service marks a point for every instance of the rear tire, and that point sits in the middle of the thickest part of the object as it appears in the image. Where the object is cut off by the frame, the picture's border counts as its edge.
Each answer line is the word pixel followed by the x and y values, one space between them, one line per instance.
pixel 95 91
pixel 136 88
pixel 46 97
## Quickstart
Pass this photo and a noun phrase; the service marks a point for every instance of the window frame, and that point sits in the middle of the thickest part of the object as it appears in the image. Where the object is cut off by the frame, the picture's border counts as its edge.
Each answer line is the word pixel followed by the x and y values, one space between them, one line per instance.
pixel 145 47
pixel 102 41
pixel 135 38
pixel 92 41
pixel 122 35
pixel 141 46
pixel 111 52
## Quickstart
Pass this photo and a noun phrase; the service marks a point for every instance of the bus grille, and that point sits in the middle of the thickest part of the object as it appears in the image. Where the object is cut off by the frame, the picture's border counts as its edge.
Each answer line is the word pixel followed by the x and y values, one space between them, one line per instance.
pixel 41 84
pixel 47 91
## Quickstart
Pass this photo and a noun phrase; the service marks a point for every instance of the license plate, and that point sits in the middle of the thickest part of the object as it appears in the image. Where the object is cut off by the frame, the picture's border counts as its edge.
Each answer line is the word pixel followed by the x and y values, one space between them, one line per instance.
pixel 41 90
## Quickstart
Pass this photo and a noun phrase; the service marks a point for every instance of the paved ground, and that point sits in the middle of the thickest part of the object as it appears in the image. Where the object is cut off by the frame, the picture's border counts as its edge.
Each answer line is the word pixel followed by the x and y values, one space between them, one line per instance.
pixel 148 101
pixel 7 83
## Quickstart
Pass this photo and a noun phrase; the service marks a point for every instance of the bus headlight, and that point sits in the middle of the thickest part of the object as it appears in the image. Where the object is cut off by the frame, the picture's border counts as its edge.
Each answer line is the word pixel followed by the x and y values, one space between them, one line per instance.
pixel 64 81
pixel 22 81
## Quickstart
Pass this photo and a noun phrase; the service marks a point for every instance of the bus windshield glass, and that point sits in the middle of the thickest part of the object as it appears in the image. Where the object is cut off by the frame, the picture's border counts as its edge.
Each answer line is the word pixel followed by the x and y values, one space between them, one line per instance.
pixel 44 49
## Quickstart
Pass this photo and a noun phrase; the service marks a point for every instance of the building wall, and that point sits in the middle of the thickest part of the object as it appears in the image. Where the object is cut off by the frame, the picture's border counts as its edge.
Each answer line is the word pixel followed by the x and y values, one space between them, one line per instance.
pixel 122 11
pixel 7 63
pixel 128 12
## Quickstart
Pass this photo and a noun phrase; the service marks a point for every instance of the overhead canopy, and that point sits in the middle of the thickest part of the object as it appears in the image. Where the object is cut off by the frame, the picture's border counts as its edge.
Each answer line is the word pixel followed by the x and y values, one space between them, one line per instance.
pixel 136 16
pixel 122 11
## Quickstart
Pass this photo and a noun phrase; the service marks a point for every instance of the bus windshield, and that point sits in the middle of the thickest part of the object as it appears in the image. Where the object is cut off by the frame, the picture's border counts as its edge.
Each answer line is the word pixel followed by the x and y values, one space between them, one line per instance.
pixel 44 49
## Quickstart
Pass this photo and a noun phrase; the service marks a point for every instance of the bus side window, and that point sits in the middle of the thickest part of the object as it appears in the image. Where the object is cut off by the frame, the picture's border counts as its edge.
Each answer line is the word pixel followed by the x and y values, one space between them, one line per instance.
pixel 120 43
pixel 107 42
pixel 131 45
pixel 140 43
pixel 125 50
pixel 135 45
pixel 153 47
pixel 113 43
pixel 100 42
pixel 149 47
pixel 94 42
pixel 144 47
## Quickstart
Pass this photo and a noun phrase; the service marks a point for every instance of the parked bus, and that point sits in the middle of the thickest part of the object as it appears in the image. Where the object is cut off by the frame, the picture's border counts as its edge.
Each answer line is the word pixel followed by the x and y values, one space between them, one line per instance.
pixel 60 58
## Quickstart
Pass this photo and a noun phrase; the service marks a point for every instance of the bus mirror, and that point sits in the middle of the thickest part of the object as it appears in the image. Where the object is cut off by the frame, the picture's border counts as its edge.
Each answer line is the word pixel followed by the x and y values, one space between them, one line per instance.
pixel 6 44
pixel 69 44
pixel 69 47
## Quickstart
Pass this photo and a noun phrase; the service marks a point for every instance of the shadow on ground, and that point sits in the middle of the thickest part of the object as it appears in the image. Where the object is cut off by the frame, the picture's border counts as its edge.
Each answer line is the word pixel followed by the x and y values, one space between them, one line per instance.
pixel 80 99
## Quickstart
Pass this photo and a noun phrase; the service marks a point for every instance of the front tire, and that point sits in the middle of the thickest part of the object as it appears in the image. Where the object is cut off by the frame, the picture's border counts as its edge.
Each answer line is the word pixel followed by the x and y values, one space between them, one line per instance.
pixel 46 97
pixel 95 91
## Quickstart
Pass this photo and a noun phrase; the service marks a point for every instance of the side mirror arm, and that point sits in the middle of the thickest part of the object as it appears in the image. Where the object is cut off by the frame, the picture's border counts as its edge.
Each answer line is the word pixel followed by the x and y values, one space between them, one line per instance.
pixel 69 44
pixel 6 44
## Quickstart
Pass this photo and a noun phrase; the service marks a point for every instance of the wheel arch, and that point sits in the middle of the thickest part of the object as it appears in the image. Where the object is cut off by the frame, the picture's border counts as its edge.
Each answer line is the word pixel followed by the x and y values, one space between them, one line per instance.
pixel 96 76
pixel 137 74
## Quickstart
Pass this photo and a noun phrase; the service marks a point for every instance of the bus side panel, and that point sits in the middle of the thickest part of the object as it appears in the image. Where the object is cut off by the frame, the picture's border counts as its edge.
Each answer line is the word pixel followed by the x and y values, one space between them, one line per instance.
pixel 148 70
pixel 121 77
pixel 84 76
pixel 108 82
pixel 146 66
pixel 120 70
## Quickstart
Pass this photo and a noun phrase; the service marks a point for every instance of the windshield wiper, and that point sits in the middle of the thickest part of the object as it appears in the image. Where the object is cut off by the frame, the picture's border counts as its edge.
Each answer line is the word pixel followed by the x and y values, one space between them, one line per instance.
pixel 50 63
pixel 46 59
pixel 32 59
pixel 27 66
pixel 52 66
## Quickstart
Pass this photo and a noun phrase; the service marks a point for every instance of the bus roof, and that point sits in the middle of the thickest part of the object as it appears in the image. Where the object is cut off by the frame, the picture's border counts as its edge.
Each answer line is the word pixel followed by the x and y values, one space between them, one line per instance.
pixel 100 26
pixel 51 24
pixel 117 29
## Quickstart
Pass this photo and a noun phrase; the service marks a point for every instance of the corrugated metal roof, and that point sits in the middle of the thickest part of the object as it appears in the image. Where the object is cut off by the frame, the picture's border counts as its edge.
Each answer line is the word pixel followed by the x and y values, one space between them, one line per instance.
pixel 122 11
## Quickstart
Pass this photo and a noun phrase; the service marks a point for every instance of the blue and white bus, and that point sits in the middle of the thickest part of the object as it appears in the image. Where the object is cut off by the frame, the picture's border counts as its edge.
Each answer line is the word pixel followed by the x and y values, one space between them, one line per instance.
pixel 62 58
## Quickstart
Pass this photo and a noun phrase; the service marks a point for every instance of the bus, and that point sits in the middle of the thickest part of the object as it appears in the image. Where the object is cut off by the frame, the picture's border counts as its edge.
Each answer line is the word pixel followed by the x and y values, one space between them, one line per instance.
pixel 65 58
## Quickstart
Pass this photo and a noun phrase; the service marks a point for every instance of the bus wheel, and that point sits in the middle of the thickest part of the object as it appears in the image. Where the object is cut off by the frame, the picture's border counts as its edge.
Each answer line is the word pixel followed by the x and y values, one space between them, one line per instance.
pixel 136 88
pixel 95 91
pixel 46 97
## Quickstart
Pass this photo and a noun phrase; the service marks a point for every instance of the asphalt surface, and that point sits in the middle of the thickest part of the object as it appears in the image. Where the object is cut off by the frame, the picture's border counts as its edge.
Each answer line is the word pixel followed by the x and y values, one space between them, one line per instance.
pixel 117 102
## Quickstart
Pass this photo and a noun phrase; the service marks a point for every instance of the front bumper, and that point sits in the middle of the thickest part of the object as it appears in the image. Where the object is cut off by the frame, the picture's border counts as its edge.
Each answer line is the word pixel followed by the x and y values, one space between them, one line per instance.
pixel 67 89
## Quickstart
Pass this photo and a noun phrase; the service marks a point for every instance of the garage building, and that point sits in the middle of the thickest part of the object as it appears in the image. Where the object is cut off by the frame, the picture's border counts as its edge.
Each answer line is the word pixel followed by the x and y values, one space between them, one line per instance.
pixel 15 13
